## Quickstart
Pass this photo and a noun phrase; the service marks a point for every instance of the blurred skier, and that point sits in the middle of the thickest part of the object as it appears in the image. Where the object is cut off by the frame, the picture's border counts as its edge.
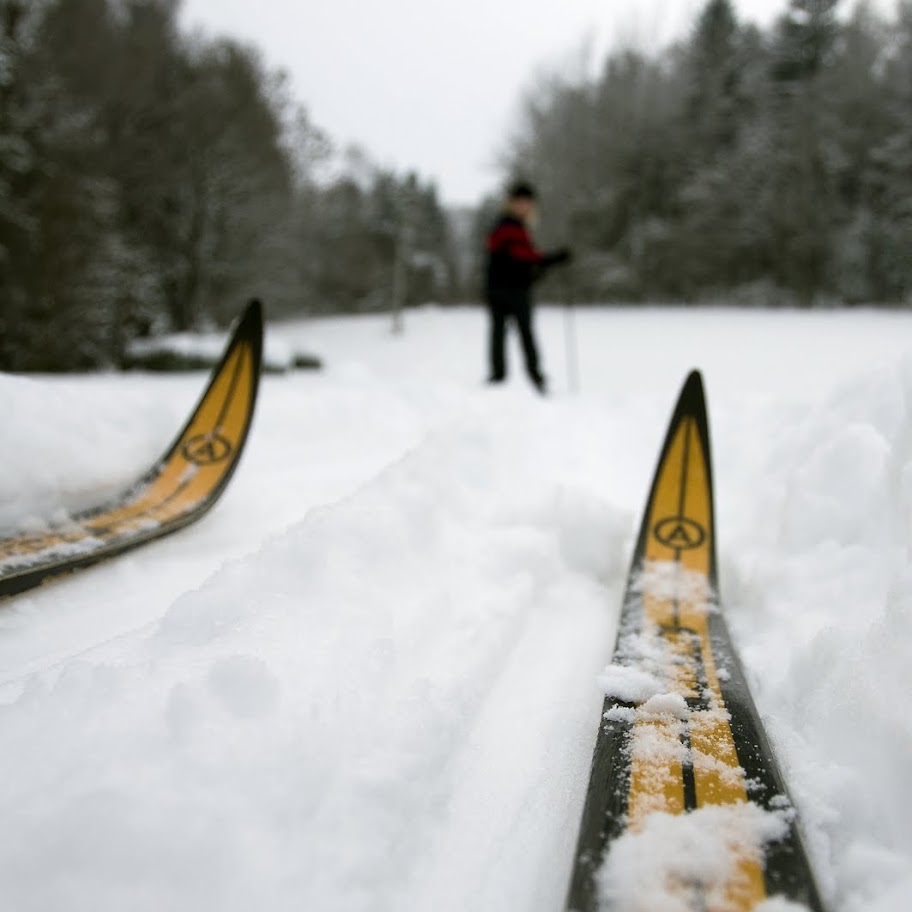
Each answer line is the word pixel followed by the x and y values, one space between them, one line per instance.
pixel 514 264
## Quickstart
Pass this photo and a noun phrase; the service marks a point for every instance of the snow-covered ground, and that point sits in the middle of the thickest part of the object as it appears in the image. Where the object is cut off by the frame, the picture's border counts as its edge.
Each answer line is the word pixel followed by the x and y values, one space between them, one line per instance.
pixel 368 679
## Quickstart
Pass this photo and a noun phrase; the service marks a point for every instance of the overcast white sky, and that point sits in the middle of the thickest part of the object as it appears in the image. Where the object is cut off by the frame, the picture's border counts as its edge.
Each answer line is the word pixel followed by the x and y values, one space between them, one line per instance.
pixel 435 84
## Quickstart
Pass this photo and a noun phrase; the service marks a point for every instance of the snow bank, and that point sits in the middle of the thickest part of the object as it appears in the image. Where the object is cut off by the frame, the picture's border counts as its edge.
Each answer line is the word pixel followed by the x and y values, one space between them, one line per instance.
pixel 197 351
pixel 818 588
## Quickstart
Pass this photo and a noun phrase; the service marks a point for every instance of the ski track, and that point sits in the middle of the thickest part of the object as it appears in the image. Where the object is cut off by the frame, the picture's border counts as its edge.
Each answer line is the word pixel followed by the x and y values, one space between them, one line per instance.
pixel 367 679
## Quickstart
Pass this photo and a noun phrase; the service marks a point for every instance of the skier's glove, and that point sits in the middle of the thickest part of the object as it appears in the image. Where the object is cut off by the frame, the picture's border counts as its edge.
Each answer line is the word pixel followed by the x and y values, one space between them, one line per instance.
pixel 563 255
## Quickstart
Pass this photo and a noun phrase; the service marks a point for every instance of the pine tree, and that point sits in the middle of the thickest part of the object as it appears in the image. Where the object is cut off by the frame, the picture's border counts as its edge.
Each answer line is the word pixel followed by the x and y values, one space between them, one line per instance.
pixel 804 201
pixel 807 37
pixel 714 69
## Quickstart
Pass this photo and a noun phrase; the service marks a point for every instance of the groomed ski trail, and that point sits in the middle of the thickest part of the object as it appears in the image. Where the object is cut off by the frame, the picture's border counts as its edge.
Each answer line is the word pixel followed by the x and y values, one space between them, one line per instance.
pixel 428 601
pixel 810 475
pixel 533 718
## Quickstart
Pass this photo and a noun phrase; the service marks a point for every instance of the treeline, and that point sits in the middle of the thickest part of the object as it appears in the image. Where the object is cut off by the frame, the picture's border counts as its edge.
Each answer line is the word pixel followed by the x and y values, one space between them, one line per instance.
pixel 151 181
pixel 770 167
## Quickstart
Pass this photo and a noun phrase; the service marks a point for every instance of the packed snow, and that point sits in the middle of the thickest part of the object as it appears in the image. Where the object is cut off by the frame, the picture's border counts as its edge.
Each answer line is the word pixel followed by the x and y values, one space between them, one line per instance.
pixel 369 678
pixel 646 867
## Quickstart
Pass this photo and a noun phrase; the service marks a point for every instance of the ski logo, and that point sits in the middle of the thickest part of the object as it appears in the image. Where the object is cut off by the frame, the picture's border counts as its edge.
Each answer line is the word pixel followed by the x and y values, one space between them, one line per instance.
pixel 207 449
pixel 679 533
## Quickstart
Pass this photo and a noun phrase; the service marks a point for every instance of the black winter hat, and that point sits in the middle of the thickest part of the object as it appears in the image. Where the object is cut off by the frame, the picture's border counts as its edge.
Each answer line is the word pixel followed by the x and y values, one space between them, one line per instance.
pixel 522 190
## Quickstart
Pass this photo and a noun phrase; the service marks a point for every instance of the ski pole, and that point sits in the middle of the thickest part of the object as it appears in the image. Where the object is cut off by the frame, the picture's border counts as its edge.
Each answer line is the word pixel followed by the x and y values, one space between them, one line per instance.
pixel 570 339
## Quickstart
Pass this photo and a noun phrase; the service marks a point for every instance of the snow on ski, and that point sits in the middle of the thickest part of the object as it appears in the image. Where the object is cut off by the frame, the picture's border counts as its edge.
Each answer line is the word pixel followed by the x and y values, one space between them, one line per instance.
pixel 685 806
pixel 180 488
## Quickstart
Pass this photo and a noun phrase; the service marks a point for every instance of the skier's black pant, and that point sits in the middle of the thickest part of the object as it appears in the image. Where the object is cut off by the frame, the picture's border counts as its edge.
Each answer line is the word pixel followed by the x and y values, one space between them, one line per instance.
pixel 503 305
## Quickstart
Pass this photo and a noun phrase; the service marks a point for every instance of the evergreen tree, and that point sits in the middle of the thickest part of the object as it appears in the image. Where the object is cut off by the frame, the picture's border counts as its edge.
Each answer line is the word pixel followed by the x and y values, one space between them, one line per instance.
pixel 714 66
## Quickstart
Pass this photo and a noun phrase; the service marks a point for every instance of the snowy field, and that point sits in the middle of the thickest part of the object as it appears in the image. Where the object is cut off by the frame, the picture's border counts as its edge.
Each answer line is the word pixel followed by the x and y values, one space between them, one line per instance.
pixel 367 681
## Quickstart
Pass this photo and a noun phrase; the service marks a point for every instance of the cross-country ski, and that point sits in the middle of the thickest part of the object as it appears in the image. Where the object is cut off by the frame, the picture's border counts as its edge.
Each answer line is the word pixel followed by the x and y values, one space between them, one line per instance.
pixel 178 490
pixel 681 758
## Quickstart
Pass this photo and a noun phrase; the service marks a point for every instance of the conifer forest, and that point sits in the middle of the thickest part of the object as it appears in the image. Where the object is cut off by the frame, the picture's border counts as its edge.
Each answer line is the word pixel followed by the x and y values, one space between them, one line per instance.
pixel 152 179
